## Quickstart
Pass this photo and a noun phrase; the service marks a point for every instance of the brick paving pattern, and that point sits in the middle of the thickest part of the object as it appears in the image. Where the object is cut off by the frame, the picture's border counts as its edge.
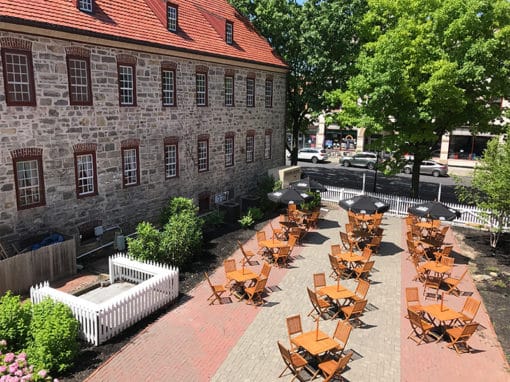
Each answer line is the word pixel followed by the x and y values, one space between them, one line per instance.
pixel 237 342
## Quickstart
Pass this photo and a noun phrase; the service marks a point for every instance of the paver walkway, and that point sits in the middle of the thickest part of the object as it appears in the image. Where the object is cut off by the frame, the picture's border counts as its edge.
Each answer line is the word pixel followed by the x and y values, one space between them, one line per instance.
pixel 237 342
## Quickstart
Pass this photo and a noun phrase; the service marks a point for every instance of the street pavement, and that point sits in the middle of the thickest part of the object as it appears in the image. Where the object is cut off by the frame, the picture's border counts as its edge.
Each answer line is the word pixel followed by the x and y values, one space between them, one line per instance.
pixel 237 342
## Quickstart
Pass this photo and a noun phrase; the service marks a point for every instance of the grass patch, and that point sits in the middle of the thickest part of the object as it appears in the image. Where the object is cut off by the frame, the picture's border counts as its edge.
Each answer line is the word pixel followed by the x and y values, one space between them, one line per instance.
pixel 499 283
pixel 492 269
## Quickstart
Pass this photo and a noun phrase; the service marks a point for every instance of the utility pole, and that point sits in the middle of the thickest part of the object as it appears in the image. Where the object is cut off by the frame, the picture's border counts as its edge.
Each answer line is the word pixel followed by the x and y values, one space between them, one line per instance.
pixel 375 168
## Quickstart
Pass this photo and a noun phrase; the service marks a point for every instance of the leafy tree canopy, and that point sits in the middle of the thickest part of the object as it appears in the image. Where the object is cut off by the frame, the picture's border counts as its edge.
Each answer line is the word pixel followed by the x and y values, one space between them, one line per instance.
pixel 319 42
pixel 428 67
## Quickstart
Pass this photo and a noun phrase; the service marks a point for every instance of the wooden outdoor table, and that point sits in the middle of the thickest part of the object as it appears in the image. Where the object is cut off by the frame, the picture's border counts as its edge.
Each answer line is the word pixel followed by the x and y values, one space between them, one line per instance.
pixel 436 267
pixel 350 258
pixel 240 276
pixel 273 244
pixel 337 293
pixel 443 314
pixel 315 342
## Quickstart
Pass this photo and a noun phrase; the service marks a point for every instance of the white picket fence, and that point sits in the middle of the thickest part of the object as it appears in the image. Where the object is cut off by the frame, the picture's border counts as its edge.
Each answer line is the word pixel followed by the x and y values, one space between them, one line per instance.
pixel 157 285
pixel 470 215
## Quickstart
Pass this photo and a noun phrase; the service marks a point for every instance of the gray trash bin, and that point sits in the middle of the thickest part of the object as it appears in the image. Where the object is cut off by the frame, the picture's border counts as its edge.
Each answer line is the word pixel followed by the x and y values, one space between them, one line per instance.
pixel 231 210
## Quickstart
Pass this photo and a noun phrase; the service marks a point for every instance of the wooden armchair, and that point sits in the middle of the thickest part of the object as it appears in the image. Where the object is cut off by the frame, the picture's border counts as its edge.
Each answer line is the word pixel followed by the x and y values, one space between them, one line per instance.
pixel 294 328
pixel 217 291
pixel 293 362
pixel 247 255
pixel 254 293
pixel 339 270
pixel 354 311
pixel 453 283
pixel 421 329
pixel 333 369
pixel 320 306
pixel 460 335
pixel 363 271
pixel 341 336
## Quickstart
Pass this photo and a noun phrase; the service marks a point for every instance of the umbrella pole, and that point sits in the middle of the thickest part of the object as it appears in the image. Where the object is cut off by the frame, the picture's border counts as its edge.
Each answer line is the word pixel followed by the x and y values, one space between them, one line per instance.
pixel 363 187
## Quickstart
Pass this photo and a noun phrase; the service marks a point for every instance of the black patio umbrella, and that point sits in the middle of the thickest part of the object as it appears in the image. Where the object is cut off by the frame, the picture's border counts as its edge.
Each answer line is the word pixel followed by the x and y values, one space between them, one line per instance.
pixel 364 204
pixel 288 195
pixel 434 210
pixel 308 184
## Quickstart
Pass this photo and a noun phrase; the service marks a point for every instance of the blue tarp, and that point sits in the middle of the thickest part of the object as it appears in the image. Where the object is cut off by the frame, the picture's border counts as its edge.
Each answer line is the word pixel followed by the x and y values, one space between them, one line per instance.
pixel 52 239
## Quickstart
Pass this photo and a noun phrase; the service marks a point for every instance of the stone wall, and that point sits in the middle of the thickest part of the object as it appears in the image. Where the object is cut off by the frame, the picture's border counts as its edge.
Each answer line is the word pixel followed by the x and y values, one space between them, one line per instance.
pixel 55 126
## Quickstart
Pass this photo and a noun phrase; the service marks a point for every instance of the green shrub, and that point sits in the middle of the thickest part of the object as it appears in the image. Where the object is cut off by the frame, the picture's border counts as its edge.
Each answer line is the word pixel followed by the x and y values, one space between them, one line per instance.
pixel 54 336
pixel 175 206
pixel 146 244
pixel 247 220
pixel 314 203
pixel 14 321
pixel 181 238
pixel 255 213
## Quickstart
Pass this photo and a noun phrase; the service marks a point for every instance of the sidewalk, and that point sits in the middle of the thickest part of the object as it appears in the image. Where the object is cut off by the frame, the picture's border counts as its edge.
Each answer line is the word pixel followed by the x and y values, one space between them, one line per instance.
pixel 198 342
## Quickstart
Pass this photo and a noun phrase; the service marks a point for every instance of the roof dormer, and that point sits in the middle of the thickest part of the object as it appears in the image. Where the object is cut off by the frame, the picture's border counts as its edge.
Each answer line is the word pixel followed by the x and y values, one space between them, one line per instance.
pixel 172 14
pixel 85 5
pixel 229 32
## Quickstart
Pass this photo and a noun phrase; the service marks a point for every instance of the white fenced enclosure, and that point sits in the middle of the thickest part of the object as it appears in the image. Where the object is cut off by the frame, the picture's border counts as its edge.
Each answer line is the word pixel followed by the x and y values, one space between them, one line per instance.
pixel 471 216
pixel 157 285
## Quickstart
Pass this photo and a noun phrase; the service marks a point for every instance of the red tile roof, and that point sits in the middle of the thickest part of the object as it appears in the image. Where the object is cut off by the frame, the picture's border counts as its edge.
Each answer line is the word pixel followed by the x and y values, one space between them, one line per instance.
pixel 201 25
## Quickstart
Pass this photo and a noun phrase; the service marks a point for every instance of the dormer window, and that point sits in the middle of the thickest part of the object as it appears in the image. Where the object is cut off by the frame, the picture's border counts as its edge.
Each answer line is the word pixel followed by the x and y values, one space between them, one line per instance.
pixel 171 17
pixel 85 5
pixel 229 32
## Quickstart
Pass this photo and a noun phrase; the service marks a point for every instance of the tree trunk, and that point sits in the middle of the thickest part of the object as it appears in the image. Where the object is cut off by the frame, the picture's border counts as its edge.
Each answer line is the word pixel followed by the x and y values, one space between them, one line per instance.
pixel 415 179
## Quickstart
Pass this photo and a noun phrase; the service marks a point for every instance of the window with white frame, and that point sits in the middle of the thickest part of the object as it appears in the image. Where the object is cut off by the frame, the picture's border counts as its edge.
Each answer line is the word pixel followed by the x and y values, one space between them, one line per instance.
pixel 18 77
pixel 28 174
pixel 229 32
pixel 201 89
pixel 229 150
pixel 250 92
pixel 250 148
pixel 130 166
pixel 127 83
pixel 229 91
pixel 171 17
pixel 269 93
pixel 203 155
pixel 168 84
pixel 85 5
pixel 86 182
pixel 267 145
pixel 78 70
pixel 171 160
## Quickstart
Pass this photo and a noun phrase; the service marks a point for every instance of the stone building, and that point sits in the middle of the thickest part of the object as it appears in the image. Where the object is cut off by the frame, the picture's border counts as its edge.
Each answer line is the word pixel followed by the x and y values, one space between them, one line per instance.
pixel 108 109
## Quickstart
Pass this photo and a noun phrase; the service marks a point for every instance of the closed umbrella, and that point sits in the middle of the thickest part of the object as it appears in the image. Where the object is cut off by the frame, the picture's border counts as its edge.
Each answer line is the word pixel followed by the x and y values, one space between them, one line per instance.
pixel 364 204
pixel 434 210
pixel 288 195
pixel 308 184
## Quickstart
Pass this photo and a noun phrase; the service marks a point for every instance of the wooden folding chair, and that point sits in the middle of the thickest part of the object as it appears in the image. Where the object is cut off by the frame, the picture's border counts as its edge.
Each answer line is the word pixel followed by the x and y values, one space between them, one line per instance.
pixel 361 291
pixel 255 292
pixel 413 300
pixel 469 310
pixel 217 291
pixel 264 272
pixel 348 242
pixel 293 362
pixel 336 249
pixel 247 254
pixel 281 256
pixel 339 270
pixel 374 244
pixel 261 236
pixel 453 283
pixel 445 251
pixel 433 282
pixel 320 307
pixel 421 328
pixel 294 328
pixel 421 273
pixel 460 335
pixel 277 232
pixel 341 336
pixel 333 369
pixel 366 255
pixel 363 271
pixel 229 265
pixel 354 311
pixel 319 281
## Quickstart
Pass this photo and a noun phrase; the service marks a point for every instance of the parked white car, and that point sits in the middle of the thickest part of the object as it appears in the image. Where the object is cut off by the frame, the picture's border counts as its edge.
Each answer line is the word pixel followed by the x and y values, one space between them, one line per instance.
pixel 428 167
pixel 312 154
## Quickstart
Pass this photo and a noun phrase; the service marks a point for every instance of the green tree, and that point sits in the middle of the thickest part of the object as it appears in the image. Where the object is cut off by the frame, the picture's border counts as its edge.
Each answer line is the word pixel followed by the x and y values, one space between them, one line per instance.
pixel 428 67
pixel 490 187
pixel 318 40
